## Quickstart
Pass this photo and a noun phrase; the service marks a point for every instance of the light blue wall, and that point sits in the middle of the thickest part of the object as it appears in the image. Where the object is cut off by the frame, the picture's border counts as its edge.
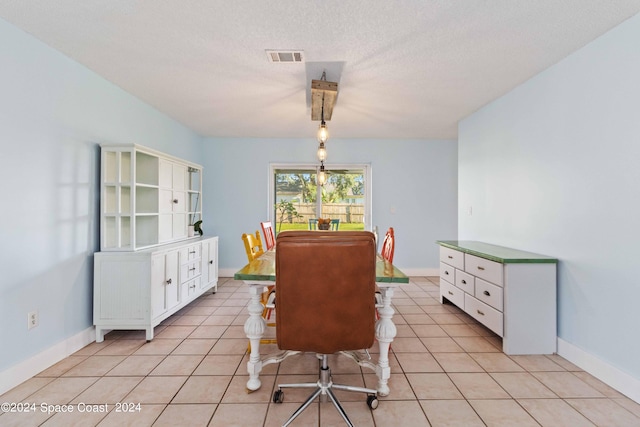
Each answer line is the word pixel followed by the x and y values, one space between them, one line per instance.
pixel 553 167
pixel 416 177
pixel 53 113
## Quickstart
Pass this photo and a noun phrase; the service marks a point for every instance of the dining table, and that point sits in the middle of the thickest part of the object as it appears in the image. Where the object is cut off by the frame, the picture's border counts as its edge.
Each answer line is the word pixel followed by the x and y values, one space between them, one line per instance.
pixel 261 272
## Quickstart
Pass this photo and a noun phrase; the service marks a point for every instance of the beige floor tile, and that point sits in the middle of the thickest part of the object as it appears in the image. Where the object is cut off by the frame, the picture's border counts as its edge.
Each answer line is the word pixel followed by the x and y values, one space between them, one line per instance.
pixel 74 419
pixel 295 394
pixel 218 365
pixel 523 385
pixel 203 310
pixel 441 345
pixel 418 362
pixel 457 362
pixel 416 319
pixel 429 331
pixel 62 390
pixel 475 344
pixel 195 346
pixel 219 320
pixel 357 411
pixel 203 389
pixel 237 332
pixel 108 390
pixel 136 365
pixel 178 365
pixel 462 330
pixel 537 363
pixel 225 311
pixel 403 345
pixel 190 320
pixel 20 392
pixel 598 385
pixel 239 415
pixel 208 331
pixel 554 413
pixel 25 419
pixel 193 415
pixel 121 348
pixel 502 413
pixel 451 413
pixel 447 319
pixel 94 366
pixel 604 412
pixel 158 346
pixel 277 414
pixel 143 416
pixel 237 391
pixel 299 364
pixel 566 385
pixel 173 331
pixel 399 386
pixel 156 390
pixel 433 386
pixel 93 348
pixel 629 405
pixel 62 366
pixel 478 386
pixel 496 362
pixel 230 346
pixel 400 413
pixel 563 362
pixel 405 331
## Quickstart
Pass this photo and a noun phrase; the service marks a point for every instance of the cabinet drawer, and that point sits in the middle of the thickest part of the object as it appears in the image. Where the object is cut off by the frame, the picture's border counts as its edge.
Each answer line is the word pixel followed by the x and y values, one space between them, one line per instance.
pixel 452 257
pixel 489 294
pixel 465 281
pixel 447 273
pixel 483 268
pixel 189 253
pixel 191 288
pixel 452 293
pixel 488 316
pixel 189 271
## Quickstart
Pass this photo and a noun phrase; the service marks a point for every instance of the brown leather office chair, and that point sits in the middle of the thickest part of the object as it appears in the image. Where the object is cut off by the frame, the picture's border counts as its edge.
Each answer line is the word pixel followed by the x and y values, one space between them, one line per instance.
pixel 326 286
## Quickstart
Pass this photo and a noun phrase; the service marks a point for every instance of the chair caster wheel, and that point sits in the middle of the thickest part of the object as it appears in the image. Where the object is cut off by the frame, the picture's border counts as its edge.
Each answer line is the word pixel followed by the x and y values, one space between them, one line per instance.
pixel 372 401
pixel 278 396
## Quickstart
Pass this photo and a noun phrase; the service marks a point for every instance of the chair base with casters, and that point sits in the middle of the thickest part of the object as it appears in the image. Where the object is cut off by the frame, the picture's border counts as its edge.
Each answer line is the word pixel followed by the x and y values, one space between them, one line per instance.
pixel 324 388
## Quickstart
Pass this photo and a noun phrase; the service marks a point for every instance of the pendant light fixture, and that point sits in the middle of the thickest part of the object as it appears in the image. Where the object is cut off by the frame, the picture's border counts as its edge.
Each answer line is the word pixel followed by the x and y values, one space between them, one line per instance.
pixel 322 91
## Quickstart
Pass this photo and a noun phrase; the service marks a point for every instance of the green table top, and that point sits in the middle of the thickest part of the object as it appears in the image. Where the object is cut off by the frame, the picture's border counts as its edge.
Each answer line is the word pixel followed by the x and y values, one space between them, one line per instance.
pixel 264 269
pixel 496 253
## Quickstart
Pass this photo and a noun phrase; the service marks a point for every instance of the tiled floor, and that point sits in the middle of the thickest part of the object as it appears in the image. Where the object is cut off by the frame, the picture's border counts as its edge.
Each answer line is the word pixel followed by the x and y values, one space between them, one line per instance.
pixel 446 371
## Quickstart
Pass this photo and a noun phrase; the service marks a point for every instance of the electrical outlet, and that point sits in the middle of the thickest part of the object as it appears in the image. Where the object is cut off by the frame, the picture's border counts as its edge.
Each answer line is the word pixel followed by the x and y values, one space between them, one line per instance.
pixel 32 319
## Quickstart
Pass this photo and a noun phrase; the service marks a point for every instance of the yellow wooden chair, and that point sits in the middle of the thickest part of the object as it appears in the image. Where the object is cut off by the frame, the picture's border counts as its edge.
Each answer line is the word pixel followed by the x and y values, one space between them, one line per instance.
pixel 253 248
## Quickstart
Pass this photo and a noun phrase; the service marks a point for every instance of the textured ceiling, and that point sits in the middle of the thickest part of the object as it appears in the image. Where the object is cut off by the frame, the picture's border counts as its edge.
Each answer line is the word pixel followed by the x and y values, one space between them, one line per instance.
pixel 406 69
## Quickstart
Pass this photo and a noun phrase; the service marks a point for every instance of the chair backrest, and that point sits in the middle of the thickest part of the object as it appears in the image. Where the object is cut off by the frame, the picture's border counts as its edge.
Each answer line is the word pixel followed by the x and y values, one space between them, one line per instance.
pixel 253 245
pixel 326 290
pixel 269 235
pixel 388 245
pixel 335 224
pixel 313 223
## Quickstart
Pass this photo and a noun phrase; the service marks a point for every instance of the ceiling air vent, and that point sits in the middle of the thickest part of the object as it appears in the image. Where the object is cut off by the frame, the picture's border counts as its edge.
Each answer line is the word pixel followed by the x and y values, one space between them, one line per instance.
pixel 285 56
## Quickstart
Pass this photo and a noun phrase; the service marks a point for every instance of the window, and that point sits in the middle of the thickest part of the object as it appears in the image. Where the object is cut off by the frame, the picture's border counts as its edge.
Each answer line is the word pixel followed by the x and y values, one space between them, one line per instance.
pixel 346 196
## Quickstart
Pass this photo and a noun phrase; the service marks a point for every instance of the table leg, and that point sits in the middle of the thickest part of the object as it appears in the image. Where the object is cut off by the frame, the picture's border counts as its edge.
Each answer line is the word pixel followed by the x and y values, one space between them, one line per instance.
pixel 385 332
pixel 254 328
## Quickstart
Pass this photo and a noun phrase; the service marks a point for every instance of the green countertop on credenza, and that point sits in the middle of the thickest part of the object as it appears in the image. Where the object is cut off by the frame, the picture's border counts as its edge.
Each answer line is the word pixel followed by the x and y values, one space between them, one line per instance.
pixel 496 253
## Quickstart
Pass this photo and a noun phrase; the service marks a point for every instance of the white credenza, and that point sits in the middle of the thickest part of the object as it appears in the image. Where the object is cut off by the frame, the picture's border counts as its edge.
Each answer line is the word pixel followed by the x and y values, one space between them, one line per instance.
pixel 511 292
pixel 138 290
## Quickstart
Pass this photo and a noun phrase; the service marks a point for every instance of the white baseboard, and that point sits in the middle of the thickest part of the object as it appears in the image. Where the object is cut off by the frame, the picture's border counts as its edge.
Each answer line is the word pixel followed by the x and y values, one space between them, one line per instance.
pixel 411 272
pixel 610 375
pixel 21 372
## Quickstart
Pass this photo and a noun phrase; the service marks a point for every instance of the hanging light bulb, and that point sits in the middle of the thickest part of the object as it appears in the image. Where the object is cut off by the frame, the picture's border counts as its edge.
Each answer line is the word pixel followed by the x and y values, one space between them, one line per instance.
pixel 323 132
pixel 322 152
pixel 322 176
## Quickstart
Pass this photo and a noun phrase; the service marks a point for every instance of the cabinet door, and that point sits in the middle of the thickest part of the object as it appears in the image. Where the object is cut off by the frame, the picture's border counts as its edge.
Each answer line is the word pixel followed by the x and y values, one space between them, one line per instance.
pixel 158 286
pixel 171 274
pixel 210 260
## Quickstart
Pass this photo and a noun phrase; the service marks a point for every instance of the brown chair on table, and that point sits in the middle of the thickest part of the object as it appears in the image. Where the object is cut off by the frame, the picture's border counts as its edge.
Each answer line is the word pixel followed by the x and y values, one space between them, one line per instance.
pixel 253 247
pixel 326 286
pixel 269 235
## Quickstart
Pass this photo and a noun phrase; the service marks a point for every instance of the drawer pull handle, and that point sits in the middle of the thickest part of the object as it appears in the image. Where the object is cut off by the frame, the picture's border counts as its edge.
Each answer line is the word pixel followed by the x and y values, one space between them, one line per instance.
pixel 192 252
pixel 446 273
pixel 487 293
pixel 192 269
pixel 175 201
pixel 450 293
pixel 211 262
pixel 480 268
pixel 480 313
pixel 464 282
pixel 169 282
pixel 449 256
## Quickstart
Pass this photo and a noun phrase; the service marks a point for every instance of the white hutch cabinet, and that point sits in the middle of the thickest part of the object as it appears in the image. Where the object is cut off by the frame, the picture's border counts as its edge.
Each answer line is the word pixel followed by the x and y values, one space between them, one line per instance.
pixel 149 266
